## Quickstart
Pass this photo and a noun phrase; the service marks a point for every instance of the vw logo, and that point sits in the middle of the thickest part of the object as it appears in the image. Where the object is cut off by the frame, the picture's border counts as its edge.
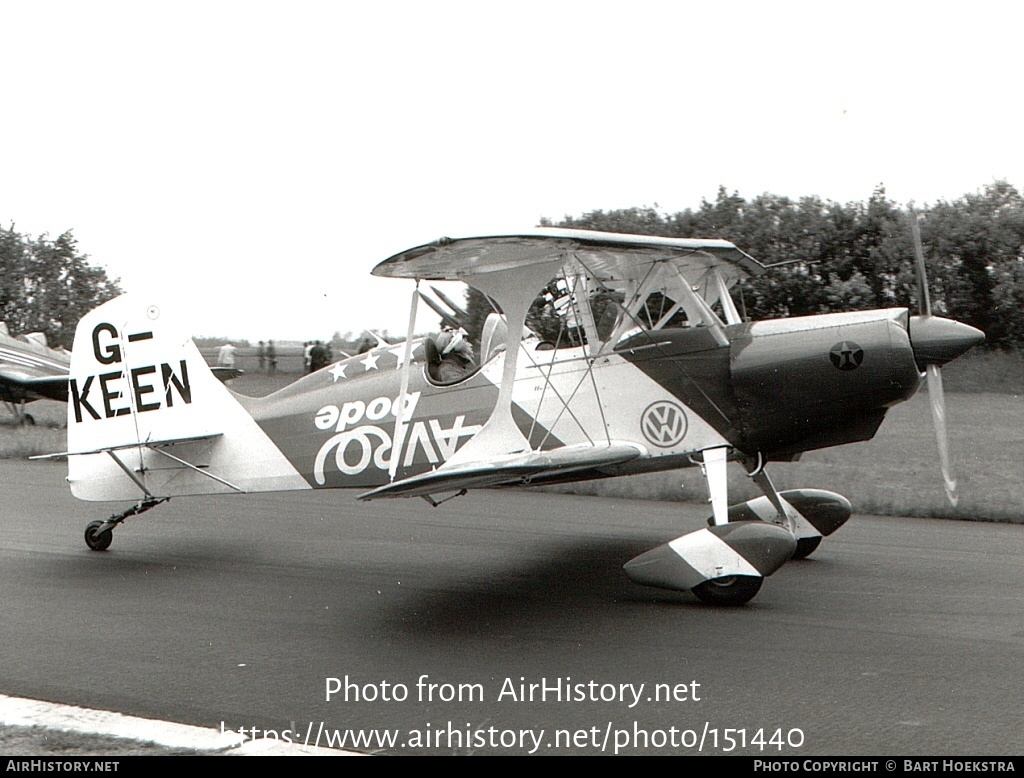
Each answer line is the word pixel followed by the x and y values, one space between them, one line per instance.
pixel 663 423
pixel 846 355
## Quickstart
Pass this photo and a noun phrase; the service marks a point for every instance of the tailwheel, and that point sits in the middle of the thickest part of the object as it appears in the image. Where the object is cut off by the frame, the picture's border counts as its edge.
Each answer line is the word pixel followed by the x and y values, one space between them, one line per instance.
pixel 730 590
pixel 100 534
pixel 98 541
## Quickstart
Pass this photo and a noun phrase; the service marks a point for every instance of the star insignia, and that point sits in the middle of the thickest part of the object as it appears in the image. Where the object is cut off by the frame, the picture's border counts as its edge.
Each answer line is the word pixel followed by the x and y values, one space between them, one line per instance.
pixel 399 352
pixel 370 363
pixel 338 371
pixel 846 355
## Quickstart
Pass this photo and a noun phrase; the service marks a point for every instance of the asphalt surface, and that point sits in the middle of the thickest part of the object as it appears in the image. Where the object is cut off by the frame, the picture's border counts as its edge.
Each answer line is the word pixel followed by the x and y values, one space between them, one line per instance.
pixel 897 637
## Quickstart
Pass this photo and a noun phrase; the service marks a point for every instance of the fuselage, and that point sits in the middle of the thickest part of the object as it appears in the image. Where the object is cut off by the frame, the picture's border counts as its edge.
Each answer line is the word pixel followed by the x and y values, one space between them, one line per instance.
pixel 775 388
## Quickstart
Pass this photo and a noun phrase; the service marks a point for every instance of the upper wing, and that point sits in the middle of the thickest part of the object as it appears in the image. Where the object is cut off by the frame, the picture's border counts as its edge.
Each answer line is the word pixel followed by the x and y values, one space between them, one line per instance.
pixel 608 255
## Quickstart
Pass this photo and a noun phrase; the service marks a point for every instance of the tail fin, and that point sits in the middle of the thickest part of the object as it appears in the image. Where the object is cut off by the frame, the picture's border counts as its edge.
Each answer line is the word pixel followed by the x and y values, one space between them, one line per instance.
pixel 147 417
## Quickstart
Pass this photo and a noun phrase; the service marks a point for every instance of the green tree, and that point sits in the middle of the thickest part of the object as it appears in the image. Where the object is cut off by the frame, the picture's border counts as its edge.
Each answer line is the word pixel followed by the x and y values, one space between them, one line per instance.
pixel 635 221
pixel 976 244
pixel 47 286
pixel 860 255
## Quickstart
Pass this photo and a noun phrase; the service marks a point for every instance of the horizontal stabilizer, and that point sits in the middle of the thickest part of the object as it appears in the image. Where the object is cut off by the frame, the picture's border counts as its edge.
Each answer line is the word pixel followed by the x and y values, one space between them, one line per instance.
pixel 510 469
pixel 123 446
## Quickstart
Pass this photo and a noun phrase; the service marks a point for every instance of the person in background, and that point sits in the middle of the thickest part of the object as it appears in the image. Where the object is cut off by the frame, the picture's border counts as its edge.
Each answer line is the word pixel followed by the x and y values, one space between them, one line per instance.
pixel 317 357
pixel 226 355
pixel 271 357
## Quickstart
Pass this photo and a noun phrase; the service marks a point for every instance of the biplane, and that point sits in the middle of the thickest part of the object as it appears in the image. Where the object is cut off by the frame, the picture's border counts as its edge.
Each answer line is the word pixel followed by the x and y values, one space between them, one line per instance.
pixel 643 363
pixel 30 370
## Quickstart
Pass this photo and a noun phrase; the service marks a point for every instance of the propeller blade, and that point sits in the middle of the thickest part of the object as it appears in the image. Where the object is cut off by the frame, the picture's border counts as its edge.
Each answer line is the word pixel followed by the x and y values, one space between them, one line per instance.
pixel 936 395
pixel 924 299
pixel 938 402
pixel 446 317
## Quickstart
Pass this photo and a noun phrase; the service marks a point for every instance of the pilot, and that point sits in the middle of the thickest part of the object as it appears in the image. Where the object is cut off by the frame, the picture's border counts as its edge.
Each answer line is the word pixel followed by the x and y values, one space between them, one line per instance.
pixel 456 351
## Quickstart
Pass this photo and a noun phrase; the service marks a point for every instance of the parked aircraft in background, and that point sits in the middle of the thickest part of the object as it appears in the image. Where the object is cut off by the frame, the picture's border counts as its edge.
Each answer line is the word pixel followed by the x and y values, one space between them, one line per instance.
pixel 30 370
pixel 643 364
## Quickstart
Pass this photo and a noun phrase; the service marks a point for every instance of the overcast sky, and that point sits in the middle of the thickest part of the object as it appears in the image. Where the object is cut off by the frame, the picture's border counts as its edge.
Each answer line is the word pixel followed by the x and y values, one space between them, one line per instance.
pixel 252 161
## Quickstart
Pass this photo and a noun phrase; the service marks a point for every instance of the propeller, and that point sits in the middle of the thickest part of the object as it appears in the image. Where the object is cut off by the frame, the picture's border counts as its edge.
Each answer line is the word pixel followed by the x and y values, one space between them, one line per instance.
pixel 935 341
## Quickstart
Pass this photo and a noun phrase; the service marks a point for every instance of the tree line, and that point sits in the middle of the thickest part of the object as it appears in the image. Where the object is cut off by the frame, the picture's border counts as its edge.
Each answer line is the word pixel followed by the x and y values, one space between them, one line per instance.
pixel 857 256
pixel 839 257
pixel 46 285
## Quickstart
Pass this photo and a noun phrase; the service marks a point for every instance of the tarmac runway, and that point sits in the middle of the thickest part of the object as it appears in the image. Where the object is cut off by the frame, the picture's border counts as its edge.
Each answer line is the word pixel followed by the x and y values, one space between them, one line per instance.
pixel 502 622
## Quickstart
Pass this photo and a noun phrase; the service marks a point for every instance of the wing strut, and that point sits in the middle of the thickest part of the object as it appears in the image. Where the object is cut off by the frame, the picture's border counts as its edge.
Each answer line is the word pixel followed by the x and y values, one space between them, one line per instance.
pixel 399 436
pixel 714 468
pixel 514 289
pixel 199 470
pixel 696 309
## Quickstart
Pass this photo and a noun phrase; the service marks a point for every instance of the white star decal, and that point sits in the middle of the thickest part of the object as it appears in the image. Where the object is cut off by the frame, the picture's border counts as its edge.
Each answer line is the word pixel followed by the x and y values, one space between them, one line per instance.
pixel 370 362
pixel 338 371
pixel 399 352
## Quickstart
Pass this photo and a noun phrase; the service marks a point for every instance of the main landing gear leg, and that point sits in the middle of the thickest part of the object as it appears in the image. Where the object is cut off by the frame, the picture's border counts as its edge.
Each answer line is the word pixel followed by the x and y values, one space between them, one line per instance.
pixel 99 534
pixel 810 514
pixel 21 418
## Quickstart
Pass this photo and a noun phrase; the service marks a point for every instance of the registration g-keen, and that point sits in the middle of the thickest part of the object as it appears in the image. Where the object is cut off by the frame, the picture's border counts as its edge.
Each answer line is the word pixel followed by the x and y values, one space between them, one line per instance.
pixel 650 367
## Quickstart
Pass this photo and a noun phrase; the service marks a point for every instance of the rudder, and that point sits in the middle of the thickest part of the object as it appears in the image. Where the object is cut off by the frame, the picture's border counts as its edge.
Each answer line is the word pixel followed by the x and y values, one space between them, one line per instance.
pixel 147 417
